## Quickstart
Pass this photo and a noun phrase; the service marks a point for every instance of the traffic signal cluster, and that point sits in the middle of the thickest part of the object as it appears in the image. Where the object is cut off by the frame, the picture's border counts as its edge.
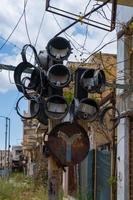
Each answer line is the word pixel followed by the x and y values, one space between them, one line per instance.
pixel 44 89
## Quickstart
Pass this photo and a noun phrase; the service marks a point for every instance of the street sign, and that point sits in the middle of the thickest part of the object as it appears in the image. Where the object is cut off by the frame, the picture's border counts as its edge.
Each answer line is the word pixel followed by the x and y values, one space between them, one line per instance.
pixel 69 143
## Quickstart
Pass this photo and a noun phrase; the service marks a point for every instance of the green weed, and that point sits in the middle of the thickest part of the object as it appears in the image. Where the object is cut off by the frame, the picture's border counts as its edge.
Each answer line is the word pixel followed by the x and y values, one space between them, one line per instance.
pixel 19 187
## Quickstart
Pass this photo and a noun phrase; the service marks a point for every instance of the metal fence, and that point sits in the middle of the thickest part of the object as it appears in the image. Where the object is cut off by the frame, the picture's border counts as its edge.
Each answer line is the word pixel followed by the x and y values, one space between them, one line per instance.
pixel 94 175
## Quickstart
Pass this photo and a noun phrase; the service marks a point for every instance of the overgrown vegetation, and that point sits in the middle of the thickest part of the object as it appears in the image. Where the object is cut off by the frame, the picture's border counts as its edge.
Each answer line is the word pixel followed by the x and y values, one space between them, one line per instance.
pixel 68 96
pixel 19 187
pixel 87 196
pixel 112 180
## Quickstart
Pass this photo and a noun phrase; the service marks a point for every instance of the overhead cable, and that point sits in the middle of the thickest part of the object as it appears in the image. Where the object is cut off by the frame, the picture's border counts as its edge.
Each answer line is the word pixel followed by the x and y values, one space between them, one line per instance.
pixel 14 27
pixel 37 37
pixel 26 26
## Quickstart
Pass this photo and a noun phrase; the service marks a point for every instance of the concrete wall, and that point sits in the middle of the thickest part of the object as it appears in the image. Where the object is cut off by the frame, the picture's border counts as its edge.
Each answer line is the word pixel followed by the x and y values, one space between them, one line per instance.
pixel 124 14
pixel 124 103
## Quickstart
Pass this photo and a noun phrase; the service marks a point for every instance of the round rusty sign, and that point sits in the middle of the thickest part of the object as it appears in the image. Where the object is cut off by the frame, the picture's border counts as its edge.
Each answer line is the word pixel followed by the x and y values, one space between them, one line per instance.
pixel 69 143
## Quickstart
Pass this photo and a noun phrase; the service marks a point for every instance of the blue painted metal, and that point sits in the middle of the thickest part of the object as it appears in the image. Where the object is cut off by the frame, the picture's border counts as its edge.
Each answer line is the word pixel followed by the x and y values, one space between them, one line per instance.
pixel 5 172
pixel 103 175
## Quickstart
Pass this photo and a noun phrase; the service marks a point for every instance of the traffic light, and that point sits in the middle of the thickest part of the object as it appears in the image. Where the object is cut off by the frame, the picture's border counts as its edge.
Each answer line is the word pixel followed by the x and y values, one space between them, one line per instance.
pixel 88 109
pixel 79 91
pixel 29 77
pixel 58 76
pixel 93 80
pixel 88 81
pixel 56 107
pixel 58 49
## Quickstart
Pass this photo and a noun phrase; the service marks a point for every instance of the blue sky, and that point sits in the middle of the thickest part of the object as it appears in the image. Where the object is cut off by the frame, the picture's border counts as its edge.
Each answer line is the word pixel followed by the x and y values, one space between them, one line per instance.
pixel 8 100
pixel 7 109
pixel 10 12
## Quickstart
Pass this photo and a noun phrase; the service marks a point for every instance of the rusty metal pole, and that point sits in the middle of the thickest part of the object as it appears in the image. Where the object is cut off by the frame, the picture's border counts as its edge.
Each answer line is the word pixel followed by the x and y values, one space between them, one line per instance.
pixel 54 175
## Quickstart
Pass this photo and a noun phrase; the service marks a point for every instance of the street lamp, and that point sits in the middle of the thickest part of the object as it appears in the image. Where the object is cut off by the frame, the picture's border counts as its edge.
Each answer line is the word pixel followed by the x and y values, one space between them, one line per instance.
pixel 7 138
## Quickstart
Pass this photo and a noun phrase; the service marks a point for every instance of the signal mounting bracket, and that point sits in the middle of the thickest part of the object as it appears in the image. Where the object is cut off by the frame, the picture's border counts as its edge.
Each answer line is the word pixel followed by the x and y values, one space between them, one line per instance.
pixel 85 19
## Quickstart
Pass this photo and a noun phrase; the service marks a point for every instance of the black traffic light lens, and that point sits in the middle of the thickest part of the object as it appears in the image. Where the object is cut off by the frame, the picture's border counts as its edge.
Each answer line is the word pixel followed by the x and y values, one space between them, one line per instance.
pixel 88 109
pixel 56 107
pixel 93 80
pixel 87 80
pixel 58 48
pixel 59 76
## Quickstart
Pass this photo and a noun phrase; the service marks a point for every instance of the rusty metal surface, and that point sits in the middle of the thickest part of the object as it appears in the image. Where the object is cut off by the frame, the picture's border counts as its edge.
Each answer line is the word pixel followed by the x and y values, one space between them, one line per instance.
pixel 69 143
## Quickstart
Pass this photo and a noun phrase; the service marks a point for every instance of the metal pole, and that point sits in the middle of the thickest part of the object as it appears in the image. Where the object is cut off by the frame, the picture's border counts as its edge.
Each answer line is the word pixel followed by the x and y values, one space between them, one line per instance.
pixel 7 135
pixel 9 142
pixel 95 174
pixel 6 141
pixel 1 159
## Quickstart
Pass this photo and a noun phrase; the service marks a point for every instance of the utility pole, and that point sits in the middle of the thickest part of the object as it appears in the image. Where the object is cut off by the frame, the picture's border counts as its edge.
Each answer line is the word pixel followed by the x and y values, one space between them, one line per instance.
pixel 6 125
pixel 54 173
pixel 125 104
pixel 1 159
pixel 7 141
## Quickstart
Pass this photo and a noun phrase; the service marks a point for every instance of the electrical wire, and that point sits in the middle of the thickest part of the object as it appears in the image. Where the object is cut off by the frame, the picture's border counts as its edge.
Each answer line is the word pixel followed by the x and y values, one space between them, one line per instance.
pixel 85 10
pixel 105 17
pixel 110 42
pixel 69 37
pixel 26 26
pixel 86 32
pixel 14 27
pixel 13 106
pixel 93 53
pixel 13 44
pixel 105 68
pixel 39 30
pixel 66 34
pixel 85 39
pixel 102 48
pixel 122 61
pixel 112 66
pixel 1 37
pixel 103 14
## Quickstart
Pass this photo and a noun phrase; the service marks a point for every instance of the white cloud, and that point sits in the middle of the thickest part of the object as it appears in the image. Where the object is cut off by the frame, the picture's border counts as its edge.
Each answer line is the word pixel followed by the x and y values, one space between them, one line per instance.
pixel 5 84
pixel 6 77
pixel 10 11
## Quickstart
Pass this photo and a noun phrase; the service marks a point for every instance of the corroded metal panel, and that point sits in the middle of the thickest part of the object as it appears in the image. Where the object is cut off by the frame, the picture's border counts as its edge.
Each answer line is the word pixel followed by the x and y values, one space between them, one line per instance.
pixel 69 143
